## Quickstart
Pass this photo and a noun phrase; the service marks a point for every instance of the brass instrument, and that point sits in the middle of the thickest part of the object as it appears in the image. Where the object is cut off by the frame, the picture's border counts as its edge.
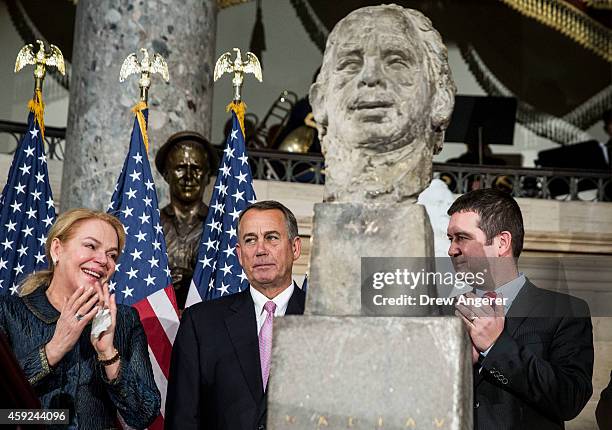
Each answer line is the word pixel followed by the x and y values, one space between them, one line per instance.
pixel 280 110
pixel 300 140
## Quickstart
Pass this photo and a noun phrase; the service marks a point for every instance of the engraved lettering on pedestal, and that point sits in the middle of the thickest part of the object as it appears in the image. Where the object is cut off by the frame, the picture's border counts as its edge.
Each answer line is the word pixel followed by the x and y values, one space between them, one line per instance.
pixel 410 423
pixel 439 423
pixel 322 422
pixel 371 227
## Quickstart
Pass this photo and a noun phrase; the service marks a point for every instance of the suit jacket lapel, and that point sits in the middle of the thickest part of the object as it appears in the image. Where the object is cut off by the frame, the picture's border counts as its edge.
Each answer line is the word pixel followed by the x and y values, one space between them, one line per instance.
pixel 296 302
pixel 523 304
pixel 242 327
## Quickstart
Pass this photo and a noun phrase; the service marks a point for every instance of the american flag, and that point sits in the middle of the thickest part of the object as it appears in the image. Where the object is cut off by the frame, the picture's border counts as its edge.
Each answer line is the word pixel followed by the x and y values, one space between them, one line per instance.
pixel 218 272
pixel 26 211
pixel 142 278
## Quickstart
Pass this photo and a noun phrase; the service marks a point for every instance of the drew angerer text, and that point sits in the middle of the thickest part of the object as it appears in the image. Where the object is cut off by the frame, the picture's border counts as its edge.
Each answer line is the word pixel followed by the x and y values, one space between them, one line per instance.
pixel 425 300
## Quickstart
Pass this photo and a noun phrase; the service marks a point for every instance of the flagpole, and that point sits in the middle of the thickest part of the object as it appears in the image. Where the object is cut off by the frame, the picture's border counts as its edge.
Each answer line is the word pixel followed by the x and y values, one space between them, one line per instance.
pixel 218 271
pixel 142 278
pixel 238 68
pixel 27 210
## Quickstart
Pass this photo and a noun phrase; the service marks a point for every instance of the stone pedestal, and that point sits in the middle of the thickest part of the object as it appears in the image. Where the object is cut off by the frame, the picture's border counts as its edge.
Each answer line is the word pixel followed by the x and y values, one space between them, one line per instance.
pixel 343 233
pixel 99 117
pixel 335 368
pixel 380 121
pixel 369 373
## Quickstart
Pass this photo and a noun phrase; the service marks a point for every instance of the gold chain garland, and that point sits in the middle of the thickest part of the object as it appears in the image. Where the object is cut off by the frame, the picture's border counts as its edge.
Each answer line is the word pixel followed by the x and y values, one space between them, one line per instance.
pixel 599 4
pixel 569 21
pixel 221 4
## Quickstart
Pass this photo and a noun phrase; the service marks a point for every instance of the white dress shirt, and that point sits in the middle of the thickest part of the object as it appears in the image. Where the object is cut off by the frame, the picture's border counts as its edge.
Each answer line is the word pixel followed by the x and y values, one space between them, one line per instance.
pixel 508 291
pixel 259 300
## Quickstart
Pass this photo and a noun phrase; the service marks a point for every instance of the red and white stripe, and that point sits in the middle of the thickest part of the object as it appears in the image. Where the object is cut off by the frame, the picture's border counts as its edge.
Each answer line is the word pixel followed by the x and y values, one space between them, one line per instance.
pixel 159 316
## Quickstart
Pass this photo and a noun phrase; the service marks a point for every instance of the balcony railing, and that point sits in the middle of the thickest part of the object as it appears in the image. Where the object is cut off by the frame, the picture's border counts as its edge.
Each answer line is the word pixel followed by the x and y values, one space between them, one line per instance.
pixel 540 183
pixel 561 184
pixel 54 138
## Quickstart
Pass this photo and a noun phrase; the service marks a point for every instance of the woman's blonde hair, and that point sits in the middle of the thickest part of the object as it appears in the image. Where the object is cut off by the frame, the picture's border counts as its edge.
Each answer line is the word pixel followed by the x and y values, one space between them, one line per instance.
pixel 63 229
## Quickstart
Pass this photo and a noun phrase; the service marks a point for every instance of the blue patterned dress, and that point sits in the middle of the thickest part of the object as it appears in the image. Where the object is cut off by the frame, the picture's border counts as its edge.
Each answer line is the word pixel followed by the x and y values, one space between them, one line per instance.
pixel 78 382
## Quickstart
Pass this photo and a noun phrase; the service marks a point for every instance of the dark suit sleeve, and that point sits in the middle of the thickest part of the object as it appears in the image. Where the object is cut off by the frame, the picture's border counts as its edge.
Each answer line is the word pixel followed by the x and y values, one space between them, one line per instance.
pixel 183 395
pixel 558 385
pixel 604 408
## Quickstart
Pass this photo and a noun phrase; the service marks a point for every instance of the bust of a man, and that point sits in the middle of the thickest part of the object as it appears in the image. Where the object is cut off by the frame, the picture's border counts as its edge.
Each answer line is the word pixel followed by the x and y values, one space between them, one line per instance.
pixel 382 102
pixel 185 161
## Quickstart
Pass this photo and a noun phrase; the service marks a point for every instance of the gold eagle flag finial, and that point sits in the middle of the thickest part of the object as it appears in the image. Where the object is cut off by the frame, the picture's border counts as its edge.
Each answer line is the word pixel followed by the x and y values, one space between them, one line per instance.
pixel 146 68
pixel 40 60
pixel 239 68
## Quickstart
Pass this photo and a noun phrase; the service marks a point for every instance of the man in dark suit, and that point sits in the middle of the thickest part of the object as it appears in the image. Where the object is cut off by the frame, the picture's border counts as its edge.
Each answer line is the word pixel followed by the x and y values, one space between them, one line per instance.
pixel 220 359
pixel 603 412
pixel 532 349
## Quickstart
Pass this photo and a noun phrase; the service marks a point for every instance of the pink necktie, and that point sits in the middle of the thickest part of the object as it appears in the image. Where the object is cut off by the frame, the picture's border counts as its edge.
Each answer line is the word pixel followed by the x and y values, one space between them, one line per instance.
pixel 491 295
pixel 265 343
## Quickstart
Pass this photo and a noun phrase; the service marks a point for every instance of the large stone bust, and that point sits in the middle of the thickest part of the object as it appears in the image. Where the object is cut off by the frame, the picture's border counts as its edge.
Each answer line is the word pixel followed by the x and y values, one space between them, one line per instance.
pixel 382 102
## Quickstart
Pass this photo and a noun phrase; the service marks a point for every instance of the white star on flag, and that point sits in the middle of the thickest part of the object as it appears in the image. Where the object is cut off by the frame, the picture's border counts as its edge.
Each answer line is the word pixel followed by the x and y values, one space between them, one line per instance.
pixel 231 193
pixel 25 193
pixel 141 282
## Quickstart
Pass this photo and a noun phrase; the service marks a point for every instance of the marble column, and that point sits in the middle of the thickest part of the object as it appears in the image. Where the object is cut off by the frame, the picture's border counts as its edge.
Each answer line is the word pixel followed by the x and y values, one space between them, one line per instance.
pixel 99 117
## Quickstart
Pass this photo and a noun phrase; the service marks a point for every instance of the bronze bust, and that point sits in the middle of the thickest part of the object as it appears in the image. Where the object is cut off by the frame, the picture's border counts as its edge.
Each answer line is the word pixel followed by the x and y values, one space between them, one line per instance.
pixel 185 161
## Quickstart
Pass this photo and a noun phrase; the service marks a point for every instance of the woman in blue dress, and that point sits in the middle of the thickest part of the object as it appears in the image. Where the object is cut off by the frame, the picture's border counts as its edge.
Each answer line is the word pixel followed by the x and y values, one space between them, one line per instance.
pixel 49 327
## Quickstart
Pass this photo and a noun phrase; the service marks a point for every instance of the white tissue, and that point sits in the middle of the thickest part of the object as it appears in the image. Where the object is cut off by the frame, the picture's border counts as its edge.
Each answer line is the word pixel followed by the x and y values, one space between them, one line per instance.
pixel 101 322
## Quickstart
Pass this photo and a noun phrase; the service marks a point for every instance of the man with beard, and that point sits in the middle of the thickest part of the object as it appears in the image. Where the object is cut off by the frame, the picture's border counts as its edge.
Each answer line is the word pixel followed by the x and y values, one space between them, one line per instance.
pixel 533 356
pixel 381 102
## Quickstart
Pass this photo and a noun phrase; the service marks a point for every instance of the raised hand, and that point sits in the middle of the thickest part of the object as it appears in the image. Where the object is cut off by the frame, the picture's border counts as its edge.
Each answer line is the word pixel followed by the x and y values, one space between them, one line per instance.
pixel 103 344
pixel 484 323
pixel 77 312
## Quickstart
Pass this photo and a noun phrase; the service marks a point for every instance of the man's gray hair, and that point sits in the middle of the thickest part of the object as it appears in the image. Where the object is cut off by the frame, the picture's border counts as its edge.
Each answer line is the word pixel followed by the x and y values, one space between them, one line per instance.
pixel 264 205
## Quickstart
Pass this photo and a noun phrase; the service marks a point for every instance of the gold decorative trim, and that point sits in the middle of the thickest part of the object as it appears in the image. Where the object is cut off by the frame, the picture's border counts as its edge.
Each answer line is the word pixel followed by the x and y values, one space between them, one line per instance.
pixel 570 21
pixel 599 4
pixel 44 364
pixel 222 4
pixel 37 314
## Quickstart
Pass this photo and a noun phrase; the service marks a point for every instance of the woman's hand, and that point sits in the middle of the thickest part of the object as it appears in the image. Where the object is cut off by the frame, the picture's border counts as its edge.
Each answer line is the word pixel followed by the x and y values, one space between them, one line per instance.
pixel 77 312
pixel 103 344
